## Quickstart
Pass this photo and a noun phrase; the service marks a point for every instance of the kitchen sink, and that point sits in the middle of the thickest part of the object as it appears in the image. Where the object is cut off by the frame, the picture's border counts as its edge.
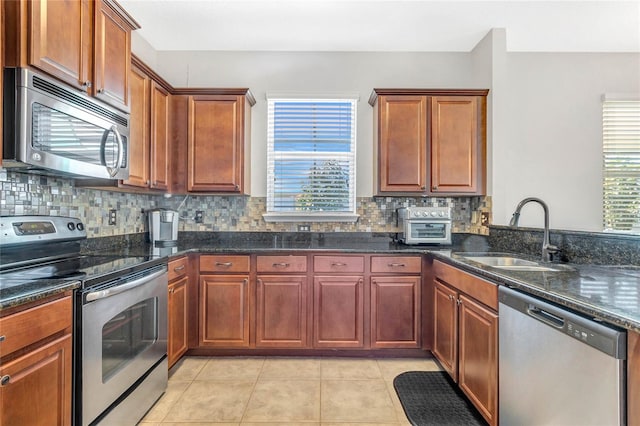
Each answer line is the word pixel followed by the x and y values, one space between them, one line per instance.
pixel 511 263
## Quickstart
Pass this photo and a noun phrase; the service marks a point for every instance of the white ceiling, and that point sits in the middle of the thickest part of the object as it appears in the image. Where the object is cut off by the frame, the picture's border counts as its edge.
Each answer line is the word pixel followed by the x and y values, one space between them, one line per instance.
pixel 377 25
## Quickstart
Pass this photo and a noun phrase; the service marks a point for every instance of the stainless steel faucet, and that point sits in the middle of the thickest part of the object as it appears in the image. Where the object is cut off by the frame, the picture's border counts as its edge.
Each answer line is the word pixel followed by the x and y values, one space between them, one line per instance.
pixel 547 248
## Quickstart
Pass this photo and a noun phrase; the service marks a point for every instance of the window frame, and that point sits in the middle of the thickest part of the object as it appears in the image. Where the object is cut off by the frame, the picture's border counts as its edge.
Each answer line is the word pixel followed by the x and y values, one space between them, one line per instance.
pixel 620 138
pixel 272 215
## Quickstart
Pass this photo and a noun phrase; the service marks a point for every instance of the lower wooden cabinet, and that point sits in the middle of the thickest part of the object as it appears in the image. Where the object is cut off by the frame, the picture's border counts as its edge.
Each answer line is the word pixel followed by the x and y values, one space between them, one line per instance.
pixel 338 311
pixel 395 312
pixel 178 339
pixel 39 389
pixel 445 328
pixel 35 368
pixel 478 356
pixel 224 311
pixel 281 311
pixel 465 337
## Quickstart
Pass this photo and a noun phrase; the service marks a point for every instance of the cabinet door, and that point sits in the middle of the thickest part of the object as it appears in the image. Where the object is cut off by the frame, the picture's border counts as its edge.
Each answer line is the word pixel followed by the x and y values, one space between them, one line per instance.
pixel 215 143
pixel 159 137
pixel 395 312
pixel 455 153
pixel 61 38
pixel 112 57
pixel 139 130
pixel 338 312
pixel 224 310
pixel 38 391
pixel 478 357
pixel 281 312
pixel 177 312
pixel 445 329
pixel 403 140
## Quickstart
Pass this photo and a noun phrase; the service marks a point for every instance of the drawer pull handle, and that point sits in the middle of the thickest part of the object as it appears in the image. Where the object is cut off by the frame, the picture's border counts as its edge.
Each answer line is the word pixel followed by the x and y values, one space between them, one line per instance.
pixel 396 265
pixel 280 265
pixel 5 380
pixel 225 264
pixel 338 264
pixel 172 290
pixel 178 268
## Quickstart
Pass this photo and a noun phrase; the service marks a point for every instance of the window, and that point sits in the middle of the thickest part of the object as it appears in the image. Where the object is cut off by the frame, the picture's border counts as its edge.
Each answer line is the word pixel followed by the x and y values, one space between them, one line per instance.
pixel 311 165
pixel 621 149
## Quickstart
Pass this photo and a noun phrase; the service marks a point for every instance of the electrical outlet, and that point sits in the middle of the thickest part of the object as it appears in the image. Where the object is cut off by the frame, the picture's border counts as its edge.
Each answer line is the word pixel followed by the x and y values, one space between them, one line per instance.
pixel 304 228
pixel 484 219
pixel 199 216
pixel 113 219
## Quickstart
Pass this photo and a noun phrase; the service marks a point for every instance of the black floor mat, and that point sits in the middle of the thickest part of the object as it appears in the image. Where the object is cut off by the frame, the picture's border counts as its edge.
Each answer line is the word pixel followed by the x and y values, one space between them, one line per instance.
pixel 432 398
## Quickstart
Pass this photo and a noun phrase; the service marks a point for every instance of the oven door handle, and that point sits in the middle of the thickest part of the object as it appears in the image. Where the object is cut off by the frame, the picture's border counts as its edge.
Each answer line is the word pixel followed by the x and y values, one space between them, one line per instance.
pixel 112 291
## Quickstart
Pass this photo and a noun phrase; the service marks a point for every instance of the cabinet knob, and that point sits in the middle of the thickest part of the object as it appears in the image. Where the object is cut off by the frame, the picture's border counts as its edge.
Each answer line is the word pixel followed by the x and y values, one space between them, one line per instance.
pixel 100 90
pixel 171 290
pixel 423 187
pixel 86 84
pixel 5 380
pixel 2 338
pixel 435 188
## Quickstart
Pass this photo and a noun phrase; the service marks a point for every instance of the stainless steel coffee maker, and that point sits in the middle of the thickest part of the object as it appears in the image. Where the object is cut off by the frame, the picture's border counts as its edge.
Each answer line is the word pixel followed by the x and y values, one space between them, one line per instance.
pixel 163 227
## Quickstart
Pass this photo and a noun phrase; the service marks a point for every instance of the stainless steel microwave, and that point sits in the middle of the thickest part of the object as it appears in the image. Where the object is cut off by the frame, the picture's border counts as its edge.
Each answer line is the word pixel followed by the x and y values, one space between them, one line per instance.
pixel 424 225
pixel 54 129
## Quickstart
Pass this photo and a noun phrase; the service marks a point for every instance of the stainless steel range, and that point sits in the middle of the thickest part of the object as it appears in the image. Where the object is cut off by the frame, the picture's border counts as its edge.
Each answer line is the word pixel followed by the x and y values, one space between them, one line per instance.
pixel 120 315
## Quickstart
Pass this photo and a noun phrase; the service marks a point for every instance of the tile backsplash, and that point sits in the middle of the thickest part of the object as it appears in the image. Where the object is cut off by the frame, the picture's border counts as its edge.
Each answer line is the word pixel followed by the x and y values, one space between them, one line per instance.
pixel 30 194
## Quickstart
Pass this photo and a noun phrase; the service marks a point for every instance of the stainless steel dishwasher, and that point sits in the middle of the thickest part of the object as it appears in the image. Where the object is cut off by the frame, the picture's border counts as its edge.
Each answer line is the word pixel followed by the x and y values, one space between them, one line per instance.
pixel 558 367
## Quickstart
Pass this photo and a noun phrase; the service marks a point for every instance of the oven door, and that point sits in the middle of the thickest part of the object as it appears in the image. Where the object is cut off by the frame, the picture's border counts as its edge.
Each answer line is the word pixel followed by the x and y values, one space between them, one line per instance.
pixel 427 232
pixel 124 334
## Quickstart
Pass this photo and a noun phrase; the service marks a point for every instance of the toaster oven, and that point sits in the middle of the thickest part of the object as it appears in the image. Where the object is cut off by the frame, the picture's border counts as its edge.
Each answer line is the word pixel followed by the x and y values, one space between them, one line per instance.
pixel 424 225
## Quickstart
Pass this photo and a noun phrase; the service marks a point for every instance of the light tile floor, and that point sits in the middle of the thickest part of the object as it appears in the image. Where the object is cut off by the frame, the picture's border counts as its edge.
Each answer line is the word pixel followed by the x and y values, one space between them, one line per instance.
pixel 269 391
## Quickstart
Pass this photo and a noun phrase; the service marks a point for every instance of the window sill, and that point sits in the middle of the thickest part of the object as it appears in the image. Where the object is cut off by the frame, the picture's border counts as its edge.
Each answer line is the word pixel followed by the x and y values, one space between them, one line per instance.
pixel 310 217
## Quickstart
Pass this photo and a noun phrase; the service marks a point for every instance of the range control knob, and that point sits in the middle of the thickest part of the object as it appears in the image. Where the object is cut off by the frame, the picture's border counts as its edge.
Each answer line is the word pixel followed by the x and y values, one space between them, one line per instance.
pixel 434 214
pixel 80 226
pixel 71 226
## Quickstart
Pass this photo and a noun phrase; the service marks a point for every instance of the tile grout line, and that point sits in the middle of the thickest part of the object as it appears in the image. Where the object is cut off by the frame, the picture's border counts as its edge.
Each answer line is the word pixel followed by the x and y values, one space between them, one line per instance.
pixel 253 389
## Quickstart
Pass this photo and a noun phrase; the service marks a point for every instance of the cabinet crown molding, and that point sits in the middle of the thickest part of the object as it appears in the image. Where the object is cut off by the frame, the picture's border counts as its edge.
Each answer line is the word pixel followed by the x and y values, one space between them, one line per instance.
pixel 426 92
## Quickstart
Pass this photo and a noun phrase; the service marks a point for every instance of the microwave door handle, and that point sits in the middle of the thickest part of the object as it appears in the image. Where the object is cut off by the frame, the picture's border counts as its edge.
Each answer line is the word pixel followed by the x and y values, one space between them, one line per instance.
pixel 113 171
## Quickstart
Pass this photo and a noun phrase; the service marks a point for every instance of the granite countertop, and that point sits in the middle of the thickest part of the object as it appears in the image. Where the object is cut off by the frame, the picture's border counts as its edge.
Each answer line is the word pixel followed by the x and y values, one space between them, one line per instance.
pixel 16 295
pixel 611 294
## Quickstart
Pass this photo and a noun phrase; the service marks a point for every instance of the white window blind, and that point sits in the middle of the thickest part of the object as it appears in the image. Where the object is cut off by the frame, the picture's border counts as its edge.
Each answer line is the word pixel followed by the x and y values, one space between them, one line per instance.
pixel 621 149
pixel 311 158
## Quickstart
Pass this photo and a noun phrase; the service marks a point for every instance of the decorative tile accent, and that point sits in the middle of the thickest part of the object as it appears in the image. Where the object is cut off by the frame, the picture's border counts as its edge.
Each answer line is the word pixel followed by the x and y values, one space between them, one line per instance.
pixel 30 194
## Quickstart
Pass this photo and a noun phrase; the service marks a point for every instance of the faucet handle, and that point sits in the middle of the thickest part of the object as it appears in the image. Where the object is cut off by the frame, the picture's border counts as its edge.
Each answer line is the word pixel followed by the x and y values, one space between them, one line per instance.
pixel 552 248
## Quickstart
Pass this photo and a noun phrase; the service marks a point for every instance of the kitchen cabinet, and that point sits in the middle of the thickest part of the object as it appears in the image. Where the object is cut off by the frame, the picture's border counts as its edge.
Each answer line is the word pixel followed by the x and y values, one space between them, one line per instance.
pixel 224 301
pixel 281 302
pixel 160 137
pixel 396 301
pixel 86 44
pixel 35 366
pixel 338 302
pixel 430 141
pixel 178 309
pixel 218 142
pixel 633 378
pixel 465 337
pixel 139 174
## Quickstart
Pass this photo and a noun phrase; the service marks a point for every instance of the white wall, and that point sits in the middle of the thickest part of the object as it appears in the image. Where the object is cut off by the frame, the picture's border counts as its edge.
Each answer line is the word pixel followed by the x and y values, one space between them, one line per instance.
pixel 315 72
pixel 544 111
pixel 550 140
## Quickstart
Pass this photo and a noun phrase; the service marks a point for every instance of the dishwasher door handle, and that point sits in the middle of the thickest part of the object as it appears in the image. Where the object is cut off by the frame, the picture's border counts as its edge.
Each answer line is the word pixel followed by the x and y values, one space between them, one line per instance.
pixel 546 317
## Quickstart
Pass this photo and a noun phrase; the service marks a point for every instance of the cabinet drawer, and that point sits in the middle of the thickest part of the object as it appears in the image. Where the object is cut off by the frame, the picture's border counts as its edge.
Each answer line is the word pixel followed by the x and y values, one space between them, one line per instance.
pixel 178 268
pixel 32 325
pixel 282 263
pixel 396 264
pixel 222 263
pixel 481 290
pixel 338 264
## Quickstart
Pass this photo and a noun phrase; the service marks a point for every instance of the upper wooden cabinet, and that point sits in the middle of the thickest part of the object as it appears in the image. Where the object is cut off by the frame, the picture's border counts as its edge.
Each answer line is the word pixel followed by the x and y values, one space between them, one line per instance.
pixel 218 138
pixel 150 137
pixel 430 142
pixel 85 43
